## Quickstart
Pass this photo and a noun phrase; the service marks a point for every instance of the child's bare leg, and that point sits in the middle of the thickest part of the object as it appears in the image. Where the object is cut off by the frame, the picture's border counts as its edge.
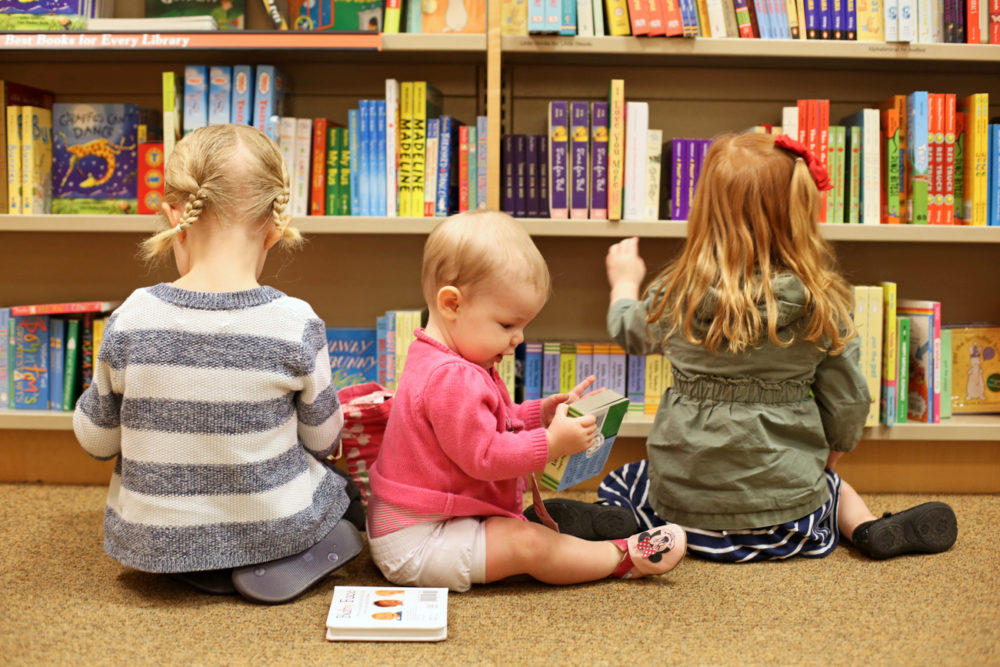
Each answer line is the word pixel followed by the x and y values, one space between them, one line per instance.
pixel 520 547
pixel 852 511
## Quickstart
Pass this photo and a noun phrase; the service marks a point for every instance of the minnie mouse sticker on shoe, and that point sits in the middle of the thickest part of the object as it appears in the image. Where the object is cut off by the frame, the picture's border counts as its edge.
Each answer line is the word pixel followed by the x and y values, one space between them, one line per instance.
pixel 654 551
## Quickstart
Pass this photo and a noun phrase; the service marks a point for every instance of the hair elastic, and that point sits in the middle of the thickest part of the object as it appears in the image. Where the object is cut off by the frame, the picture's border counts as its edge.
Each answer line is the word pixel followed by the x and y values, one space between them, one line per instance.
pixel 817 170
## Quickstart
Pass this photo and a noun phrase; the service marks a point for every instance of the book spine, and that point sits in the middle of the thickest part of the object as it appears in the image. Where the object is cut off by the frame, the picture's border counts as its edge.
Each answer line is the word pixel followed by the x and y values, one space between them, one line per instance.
pixel 636 387
pixel 569 18
pixel 599 161
pixel 871 189
pixel 414 21
pixel 861 325
pixel 874 359
pixel 597 9
pixel 393 14
pixel 482 159
pixel 520 175
pixel 14 153
pixel 36 160
pixel 550 369
pixel 617 15
pixel 195 97
pixel 890 134
pixel 994 174
pixel 29 362
pixel 344 187
pixel 149 194
pixel 381 166
pixel 890 361
pixel 5 318
pixel 332 184
pixel 446 166
pixel 854 175
pixel 241 105
pixel 553 16
pixel 533 203
pixel 638 17
pixel 567 367
pixel 907 21
pixel 381 372
pixel 536 16
pixel 891 20
pixel 946 374
pixel 654 383
pixel 579 154
pixel 616 148
pixel 672 22
pixel 617 369
pixel 657 28
pixel 71 365
pixel 533 371
pixel 584 361
pixel 57 360
pixel 405 195
pixel 902 368
pixel 948 208
pixel 419 146
pixel 463 168
pixel 917 152
pixel 303 151
pixel 543 175
pixel 994 36
pixel 743 18
pixel 431 166
pixel 220 94
pixel 936 323
pixel 86 351
pixel 959 179
pixel 473 169
pixel 558 160
pixel 354 153
pixel 840 145
pixel 870 21
pixel 364 157
pixel 717 18
pixel 391 144
pixel 507 165
pixel 390 349
pixel 601 365
pixel 654 156
pixel 317 200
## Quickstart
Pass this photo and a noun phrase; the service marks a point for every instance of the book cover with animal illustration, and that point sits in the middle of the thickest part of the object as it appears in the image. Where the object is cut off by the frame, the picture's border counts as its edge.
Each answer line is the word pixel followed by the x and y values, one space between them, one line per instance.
pixel 453 16
pixel 95 151
pixel 228 14
pixel 336 15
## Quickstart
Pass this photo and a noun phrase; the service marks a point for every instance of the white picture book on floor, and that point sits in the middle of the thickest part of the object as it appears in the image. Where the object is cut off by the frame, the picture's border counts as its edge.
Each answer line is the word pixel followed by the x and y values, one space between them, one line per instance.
pixel 388 613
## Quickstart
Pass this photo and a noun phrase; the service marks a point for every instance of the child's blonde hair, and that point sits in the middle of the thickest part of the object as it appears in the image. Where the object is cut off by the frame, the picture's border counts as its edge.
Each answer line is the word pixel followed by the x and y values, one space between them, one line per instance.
pixel 754 214
pixel 235 172
pixel 470 248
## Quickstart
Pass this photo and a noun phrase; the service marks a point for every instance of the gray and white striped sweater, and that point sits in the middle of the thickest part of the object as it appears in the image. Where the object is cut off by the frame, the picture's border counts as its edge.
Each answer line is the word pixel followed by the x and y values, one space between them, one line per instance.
pixel 218 407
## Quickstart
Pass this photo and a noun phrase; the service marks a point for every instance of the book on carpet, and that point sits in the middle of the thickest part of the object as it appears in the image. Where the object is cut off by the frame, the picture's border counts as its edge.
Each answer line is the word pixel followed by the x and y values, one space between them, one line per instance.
pixel 387 613
pixel 609 407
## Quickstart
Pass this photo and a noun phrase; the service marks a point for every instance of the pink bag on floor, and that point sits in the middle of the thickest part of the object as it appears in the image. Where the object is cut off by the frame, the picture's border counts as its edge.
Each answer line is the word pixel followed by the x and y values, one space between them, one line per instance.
pixel 366 411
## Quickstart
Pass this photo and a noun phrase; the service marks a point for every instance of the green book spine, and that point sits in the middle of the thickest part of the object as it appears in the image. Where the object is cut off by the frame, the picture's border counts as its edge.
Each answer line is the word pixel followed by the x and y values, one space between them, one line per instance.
pixel 903 375
pixel 345 172
pixel 72 367
pixel 333 172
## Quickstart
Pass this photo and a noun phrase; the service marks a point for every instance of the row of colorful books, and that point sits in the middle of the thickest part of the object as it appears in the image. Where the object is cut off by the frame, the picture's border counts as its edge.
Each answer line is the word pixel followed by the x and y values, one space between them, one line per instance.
pixel 48 351
pixel 918 368
pixel 921 21
pixel 59 15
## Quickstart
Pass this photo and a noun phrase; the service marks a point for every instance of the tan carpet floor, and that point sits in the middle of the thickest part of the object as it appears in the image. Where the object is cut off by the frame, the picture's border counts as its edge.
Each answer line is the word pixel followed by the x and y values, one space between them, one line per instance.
pixel 62 601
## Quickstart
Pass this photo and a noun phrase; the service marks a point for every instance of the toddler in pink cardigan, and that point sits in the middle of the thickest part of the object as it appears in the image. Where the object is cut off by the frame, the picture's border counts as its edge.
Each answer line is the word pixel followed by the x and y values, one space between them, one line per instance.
pixel 446 504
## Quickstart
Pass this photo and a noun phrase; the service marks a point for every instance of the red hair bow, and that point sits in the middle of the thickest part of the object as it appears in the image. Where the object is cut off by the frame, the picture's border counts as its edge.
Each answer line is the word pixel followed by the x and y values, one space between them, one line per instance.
pixel 818 171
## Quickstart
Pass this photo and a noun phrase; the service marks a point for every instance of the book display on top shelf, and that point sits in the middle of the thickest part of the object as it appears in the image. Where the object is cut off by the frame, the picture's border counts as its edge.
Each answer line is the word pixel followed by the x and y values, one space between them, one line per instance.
pixel 336 15
pixel 228 14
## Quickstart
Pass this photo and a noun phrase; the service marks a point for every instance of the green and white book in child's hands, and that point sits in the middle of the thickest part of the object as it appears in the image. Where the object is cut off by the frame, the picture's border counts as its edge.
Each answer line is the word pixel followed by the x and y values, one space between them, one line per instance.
pixel 610 408
pixel 388 613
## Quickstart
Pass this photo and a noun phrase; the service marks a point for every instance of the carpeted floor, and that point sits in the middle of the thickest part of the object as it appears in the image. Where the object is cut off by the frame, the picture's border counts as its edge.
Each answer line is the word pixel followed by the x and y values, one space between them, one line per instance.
pixel 62 601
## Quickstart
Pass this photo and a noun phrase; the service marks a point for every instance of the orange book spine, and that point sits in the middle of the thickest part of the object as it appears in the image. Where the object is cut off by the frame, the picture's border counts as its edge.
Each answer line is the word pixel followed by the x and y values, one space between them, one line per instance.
pixel 317 199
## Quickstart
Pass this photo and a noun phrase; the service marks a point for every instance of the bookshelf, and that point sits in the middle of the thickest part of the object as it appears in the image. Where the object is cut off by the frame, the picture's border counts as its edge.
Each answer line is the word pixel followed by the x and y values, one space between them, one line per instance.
pixel 352 269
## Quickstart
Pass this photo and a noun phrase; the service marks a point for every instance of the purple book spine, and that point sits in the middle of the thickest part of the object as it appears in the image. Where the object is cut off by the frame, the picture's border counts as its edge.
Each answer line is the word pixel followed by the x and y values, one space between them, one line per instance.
pixel 676 169
pixel 701 148
pixel 558 160
pixel 532 203
pixel 599 161
pixel 520 177
pixel 636 379
pixel 507 155
pixel 687 174
pixel 579 137
pixel 543 176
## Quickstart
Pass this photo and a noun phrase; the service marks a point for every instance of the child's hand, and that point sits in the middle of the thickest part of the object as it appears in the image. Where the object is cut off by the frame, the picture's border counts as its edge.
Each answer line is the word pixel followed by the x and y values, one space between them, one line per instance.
pixel 550 403
pixel 626 269
pixel 569 435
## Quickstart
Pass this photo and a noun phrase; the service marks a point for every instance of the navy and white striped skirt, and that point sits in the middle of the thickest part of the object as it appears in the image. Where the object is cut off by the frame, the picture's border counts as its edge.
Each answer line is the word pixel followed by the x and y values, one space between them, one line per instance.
pixel 812 536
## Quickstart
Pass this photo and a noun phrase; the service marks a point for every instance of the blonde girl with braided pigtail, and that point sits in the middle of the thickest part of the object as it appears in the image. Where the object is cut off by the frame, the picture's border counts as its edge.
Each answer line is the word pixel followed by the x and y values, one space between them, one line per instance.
pixel 214 393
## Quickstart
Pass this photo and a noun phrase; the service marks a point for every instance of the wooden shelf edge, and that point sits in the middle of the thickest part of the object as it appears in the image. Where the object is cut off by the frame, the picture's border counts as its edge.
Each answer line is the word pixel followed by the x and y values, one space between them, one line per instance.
pixel 743 48
pixel 970 428
pixel 535 226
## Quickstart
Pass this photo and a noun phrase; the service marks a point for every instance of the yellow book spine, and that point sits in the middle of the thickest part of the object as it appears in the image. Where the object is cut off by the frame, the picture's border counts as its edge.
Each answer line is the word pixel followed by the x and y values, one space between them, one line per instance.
pixel 874 354
pixel 14 203
pixel 618 23
pixel 654 383
pixel 616 148
pixel 419 148
pixel 506 371
pixel 703 22
pixel 980 213
pixel 406 150
pixel 171 119
pixel 871 24
pixel 567 367
pixel 36 160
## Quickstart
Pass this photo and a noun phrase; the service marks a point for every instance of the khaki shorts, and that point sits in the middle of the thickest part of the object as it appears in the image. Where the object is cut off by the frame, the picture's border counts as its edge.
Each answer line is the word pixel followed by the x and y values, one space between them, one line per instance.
pixel 449 554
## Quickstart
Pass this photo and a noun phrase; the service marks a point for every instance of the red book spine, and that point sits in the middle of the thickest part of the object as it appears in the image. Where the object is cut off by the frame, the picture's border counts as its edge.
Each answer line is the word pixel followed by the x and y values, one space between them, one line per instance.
pixel 994 21
pixel 672 23
pixel 657 24
pixel 935 166
pixel 149 194
pixel 463 168
pixel 318 197
pixel 973 34
pixel 948 211
pixel 638 15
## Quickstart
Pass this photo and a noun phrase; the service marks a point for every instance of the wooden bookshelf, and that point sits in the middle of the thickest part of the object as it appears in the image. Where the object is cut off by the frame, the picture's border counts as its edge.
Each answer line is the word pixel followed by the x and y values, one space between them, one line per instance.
pixel 354 268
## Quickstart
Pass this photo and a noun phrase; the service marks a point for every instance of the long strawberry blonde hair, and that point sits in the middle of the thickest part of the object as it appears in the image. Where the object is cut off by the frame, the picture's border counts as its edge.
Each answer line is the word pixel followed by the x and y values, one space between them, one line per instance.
pixel 754 215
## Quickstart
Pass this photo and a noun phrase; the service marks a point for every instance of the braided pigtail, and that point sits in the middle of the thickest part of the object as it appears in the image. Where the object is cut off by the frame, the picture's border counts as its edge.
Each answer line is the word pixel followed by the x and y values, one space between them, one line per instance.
pixel 290 236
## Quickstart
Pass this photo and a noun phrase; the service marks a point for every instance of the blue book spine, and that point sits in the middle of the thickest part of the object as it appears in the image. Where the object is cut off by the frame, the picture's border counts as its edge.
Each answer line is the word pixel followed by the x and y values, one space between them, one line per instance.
pixel 241 106
pixel 636 381
pixel 390 350
pixel 993 217
pixel 268 96
pixel 568 18
pixel 584 362
pixel 380 341
pixel 850 19
pixel 536 16
pixel 918 155
pixel 195 97
pixel 220 93
pixel 4 358
pixel 414 18
pixel 29 370
pixel 353 141
pixel 57 362
pixel 447 166
pixel 618 370
pixel 532 371
pixel 482 141
pixel 380 167
pixel 473 168
pixel 353 355
pixel 364 157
